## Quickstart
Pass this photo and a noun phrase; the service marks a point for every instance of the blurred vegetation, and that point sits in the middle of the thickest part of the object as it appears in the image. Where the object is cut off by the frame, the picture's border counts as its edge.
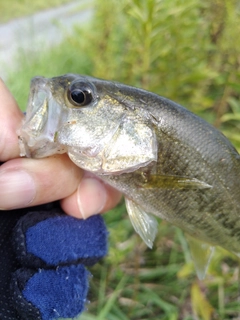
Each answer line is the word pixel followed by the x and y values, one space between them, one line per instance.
pixel 11 9
pixel 188 51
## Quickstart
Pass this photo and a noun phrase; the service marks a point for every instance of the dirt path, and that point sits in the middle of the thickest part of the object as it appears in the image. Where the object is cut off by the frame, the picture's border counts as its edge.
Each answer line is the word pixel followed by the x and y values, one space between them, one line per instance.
pixel 40 30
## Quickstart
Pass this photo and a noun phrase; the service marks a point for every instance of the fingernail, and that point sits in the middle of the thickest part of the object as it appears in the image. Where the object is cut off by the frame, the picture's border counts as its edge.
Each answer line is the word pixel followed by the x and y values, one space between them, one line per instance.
pixel 17 189
pixel 92 197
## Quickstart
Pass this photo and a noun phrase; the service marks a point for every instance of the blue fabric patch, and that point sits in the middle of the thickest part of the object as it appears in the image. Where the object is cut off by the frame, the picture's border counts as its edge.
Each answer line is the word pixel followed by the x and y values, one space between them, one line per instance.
pixel 66 239
pixel 58 293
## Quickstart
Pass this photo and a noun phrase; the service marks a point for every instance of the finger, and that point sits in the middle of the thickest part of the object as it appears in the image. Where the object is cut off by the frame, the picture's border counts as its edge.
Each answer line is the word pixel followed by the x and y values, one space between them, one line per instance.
pixel 91 197
pixel 10 121
pixel 29 182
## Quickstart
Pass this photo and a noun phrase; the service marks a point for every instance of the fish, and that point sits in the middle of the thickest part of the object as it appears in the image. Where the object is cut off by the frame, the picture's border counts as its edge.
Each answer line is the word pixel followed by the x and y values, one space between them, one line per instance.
pixel 167 162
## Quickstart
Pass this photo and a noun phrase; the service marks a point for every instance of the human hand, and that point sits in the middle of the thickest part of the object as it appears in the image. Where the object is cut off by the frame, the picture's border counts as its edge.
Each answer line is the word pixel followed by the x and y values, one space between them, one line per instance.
pixel 29 182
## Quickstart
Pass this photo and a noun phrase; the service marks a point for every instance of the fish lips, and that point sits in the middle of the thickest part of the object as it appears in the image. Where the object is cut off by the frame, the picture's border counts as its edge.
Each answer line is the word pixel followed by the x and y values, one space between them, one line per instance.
pixel 38 135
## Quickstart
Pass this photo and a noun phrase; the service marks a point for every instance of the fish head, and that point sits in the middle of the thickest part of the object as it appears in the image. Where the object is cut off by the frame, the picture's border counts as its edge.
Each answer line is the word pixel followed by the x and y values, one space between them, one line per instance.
pixel 91 120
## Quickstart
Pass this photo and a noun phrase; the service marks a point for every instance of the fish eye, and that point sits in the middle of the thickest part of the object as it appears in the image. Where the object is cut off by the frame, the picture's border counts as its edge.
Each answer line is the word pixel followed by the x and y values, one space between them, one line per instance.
pixel 79 94
pixel 80 97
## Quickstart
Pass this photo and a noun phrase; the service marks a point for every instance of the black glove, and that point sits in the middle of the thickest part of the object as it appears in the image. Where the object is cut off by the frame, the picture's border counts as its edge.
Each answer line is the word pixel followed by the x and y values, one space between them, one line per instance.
pixel 43 257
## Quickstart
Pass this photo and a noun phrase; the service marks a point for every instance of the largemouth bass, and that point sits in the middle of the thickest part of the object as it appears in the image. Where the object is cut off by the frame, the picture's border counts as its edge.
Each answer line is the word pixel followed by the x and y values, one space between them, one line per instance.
pixel 166 161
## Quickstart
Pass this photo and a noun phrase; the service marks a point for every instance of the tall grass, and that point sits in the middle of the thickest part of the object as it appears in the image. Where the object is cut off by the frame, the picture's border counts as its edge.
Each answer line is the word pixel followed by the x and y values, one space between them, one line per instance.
pixel 187 51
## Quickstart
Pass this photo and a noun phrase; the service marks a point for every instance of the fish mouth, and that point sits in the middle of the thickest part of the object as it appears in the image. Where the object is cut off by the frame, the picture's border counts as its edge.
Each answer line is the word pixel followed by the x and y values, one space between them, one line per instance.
pixel 38 134
pixel 39 149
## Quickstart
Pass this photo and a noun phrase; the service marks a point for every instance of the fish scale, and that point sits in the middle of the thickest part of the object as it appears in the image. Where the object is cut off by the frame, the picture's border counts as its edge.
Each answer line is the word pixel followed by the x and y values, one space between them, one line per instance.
pixel 167 162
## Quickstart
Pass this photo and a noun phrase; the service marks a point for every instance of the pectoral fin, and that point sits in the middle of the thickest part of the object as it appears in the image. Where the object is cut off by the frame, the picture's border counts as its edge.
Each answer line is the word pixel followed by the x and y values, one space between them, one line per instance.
pixel 172 182
pixel 201 253
pixel 143 223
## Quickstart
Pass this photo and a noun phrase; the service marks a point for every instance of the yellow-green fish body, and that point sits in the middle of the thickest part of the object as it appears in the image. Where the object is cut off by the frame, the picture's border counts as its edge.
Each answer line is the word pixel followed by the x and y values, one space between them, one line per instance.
pixel 166 161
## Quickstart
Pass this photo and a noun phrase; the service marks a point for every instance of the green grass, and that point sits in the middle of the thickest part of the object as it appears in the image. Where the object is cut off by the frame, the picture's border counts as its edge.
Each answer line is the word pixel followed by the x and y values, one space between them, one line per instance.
pixel 181 50
pixel 17 8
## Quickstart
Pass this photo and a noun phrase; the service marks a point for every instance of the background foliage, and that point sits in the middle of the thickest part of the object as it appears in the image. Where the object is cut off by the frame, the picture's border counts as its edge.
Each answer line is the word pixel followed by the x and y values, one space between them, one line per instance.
pixel 18 8
pixel 188 51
